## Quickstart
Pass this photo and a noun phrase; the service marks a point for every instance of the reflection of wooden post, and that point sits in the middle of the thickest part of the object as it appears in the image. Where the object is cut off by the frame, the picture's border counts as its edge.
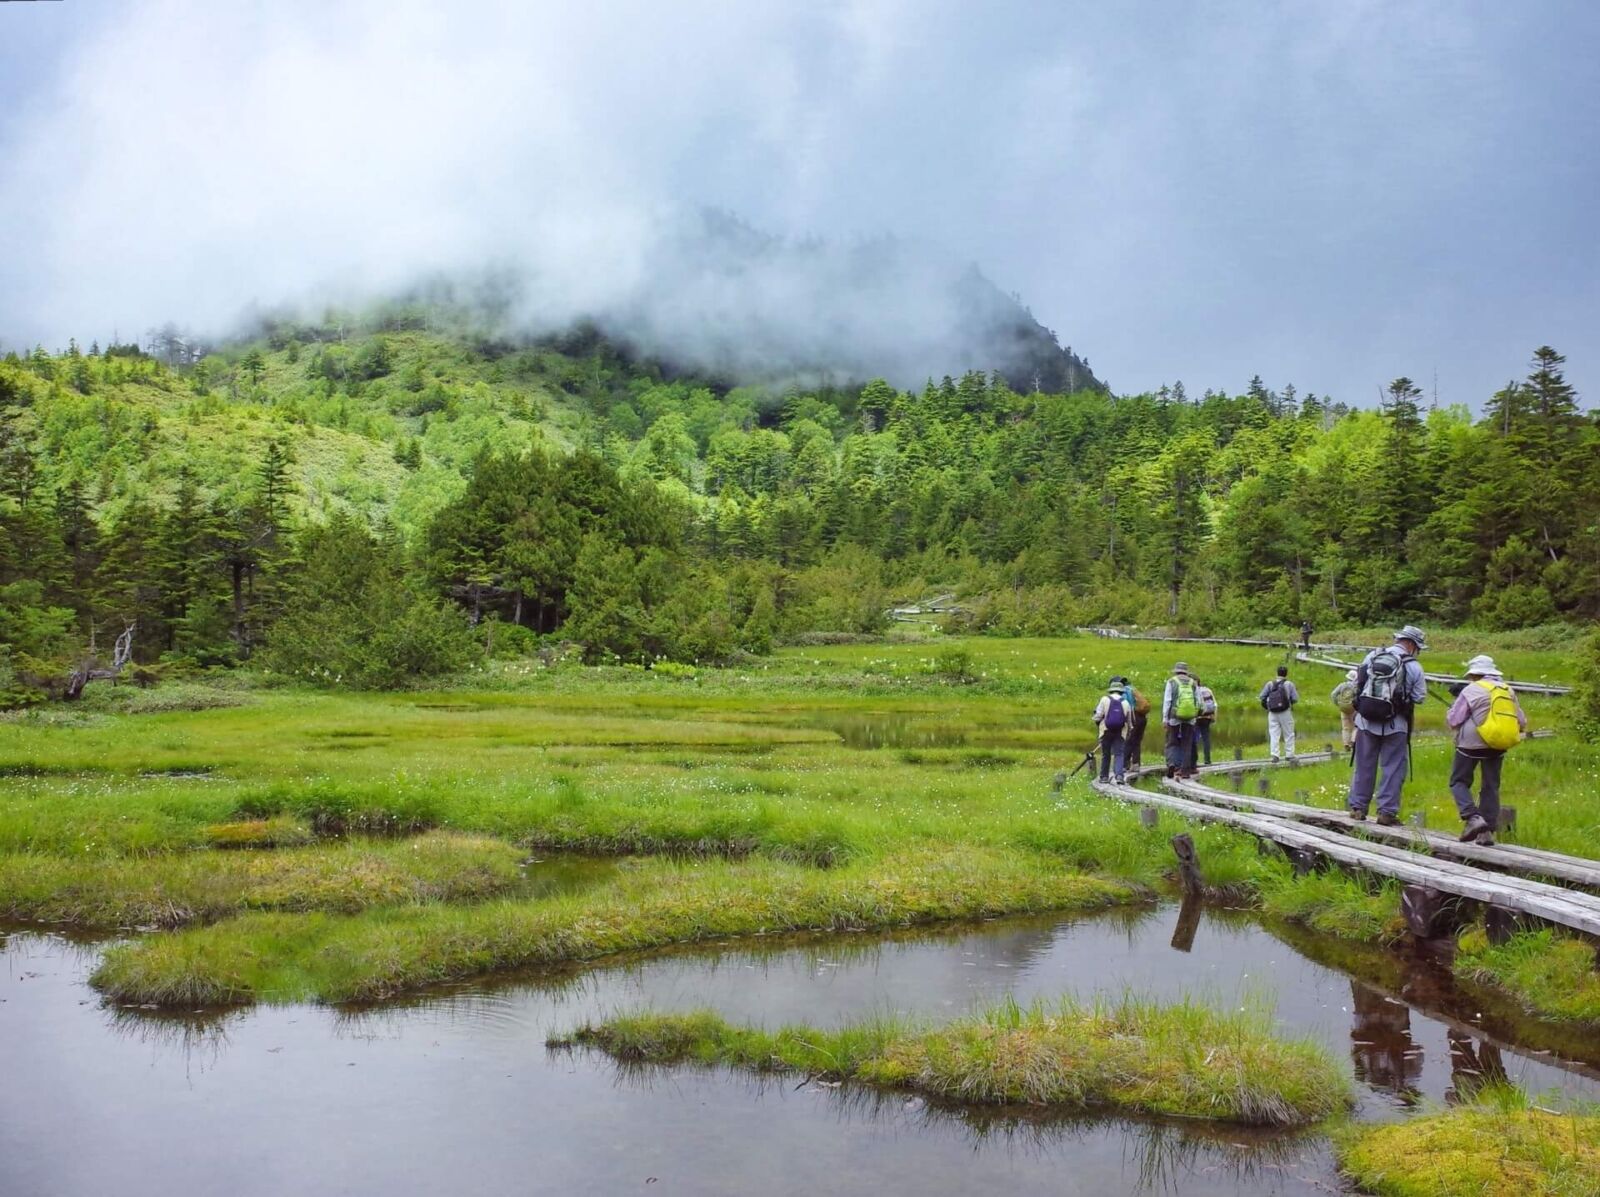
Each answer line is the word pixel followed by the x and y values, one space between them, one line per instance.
pixel 1188 865
pixel 1188 923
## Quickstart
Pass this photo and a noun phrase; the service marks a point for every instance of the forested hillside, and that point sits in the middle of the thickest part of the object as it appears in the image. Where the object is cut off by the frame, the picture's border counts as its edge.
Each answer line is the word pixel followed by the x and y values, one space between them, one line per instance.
pixel 402 481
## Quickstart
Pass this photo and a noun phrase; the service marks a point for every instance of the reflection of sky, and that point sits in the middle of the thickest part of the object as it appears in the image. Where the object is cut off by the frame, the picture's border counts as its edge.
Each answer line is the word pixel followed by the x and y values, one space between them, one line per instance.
pixel 459 1094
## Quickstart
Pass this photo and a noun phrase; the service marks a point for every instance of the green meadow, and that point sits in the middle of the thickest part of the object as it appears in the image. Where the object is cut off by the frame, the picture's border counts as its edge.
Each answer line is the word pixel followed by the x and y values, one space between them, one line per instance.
pixel 264 824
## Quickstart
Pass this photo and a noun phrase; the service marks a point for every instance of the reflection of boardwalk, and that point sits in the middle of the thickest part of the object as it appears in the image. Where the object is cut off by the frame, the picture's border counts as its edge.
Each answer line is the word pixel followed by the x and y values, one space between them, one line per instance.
pixel 1386 1057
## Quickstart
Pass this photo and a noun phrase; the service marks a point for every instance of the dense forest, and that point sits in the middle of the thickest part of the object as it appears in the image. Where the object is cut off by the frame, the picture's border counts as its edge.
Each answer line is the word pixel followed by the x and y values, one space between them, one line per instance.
pixel 364 501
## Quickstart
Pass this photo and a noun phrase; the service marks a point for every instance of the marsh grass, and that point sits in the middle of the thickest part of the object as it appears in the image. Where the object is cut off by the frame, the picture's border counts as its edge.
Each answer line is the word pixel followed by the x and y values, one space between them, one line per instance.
pixel 1129 1055
pixel 1500 1143
pixel 1337 904
pixel 1551 974
pixel 177 889
pixel 286 958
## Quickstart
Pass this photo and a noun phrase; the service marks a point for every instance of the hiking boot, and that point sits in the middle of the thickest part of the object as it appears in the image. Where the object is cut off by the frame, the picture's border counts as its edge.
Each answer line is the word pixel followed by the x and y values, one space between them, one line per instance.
pixel 1476 826
pixel 1360 816
pixel 1388 821
pixel 1121 781
pixel 1275 760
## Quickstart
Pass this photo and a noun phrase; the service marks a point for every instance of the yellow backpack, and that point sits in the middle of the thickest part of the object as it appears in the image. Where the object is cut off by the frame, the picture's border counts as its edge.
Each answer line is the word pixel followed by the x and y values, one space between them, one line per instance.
pixel 1500 729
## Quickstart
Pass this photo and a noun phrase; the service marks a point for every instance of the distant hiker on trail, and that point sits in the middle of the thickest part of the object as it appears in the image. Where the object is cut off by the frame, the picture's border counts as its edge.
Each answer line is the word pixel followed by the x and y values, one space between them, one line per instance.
pixel 1344 697
pixel 1278 698
pixel 1488 720
pixel 1305 634
pixel 1202 726
pixel 1141 717
pixel 1389 685
pixel 1180 707
pixel 1113 715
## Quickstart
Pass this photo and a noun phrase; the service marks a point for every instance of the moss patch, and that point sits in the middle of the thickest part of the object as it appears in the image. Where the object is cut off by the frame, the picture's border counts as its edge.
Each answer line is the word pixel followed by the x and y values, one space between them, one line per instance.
pixel 1475 1151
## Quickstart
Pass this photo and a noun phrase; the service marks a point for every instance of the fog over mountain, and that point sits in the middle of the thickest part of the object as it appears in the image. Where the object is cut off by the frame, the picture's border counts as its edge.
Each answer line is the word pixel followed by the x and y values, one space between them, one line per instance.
pixel 1332 196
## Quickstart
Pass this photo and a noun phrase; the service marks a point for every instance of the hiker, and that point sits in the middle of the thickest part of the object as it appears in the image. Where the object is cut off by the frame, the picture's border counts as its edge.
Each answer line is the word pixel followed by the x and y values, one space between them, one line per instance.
pixel 1278 698
pixel 1488 720
pixel 1389 685
pixel 1344 697
pixel 1113 715
pixel 1305 634
pixel 1141 718
pixel 1180 707
pixel 1202 727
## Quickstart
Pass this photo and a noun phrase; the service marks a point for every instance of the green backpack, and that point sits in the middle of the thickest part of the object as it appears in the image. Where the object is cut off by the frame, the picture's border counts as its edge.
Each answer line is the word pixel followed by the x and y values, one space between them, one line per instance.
pixel 1187 704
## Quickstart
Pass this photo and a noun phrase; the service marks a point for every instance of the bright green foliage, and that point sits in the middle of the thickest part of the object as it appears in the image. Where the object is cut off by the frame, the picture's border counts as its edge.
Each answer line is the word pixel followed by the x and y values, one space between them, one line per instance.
pixel 1179 1060
pixel 1552 974
pixel 280 958
pixel 169 492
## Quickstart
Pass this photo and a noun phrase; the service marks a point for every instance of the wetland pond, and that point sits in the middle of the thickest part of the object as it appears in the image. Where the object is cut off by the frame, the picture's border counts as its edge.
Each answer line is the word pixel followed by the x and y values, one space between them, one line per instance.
pixel 457 1093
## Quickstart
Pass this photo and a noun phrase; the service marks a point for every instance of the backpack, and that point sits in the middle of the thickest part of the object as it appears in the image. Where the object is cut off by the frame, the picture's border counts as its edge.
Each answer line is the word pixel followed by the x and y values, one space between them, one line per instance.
pixel 1344 694
pixel 1500 729
pixel 1208 703
pixel 1140 704
pixel 1186 705
pixel 1277 699
pixel 1116 714
pixel 1381 687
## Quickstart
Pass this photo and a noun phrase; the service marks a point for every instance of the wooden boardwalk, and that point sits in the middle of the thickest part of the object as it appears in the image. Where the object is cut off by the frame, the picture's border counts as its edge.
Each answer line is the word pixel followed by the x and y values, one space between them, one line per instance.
pixel 1444 679
pixel 1461 878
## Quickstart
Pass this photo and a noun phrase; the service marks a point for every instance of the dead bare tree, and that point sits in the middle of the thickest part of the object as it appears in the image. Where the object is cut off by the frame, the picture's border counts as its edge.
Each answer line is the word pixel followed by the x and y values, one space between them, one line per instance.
pixel 91 670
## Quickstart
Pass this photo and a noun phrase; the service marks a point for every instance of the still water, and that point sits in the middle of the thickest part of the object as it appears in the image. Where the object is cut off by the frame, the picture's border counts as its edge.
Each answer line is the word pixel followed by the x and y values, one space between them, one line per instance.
pixel 457 1093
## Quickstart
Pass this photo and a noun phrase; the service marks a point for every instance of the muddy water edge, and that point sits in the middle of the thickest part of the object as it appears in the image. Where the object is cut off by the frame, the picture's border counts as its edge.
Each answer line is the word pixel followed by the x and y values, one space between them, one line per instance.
pixel 456 1092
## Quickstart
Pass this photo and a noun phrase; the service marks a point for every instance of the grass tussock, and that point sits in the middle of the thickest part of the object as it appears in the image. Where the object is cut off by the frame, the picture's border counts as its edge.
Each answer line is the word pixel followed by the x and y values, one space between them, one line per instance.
pixel 1552 975
pixel 1184 1060
pixel 279 958
pixel 280 831
pixel 1498 1144
pixel 1336 904
pixel 177 889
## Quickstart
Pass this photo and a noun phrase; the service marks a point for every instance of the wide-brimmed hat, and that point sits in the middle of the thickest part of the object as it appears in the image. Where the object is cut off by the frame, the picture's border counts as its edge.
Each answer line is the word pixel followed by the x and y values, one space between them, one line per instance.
pixel 1483 665
pixel 1352 675
pixel 1114 688
pixel 1180 667
pixel 1414 634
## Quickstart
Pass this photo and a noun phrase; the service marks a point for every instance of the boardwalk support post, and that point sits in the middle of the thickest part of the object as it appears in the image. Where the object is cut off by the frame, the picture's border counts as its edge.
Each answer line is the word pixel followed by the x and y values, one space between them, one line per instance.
pixel 1263 785
pixel 1304 860
pixel 1188 865
pixel 1430 913
pixel 1501 923
pixel 1507 822
pixel 1238 753
pixel 1149 816
pixel 1058 781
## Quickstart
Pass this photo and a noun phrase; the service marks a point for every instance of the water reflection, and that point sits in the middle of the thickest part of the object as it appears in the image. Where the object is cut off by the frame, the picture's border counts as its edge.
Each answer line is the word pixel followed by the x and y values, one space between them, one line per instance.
pixel 1474 1063
pixel 1385 1055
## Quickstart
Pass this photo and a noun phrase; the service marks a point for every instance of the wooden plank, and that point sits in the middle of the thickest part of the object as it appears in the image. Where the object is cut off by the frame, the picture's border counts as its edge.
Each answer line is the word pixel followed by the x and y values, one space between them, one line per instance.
pixel 1512 857
pixel 1567 908
pixel 1443 679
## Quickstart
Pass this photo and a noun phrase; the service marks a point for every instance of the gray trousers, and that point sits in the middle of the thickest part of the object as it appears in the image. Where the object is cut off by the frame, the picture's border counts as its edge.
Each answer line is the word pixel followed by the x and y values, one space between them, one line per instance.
pixel 1375 753
pixel 1461 771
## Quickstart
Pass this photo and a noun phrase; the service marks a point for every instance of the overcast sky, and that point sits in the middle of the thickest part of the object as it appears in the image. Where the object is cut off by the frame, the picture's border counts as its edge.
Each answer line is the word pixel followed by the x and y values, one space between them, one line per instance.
pixel 1324 194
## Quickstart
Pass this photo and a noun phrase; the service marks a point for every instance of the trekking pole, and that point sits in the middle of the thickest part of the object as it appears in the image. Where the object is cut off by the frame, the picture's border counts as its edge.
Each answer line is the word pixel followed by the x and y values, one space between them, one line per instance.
pixel 1088 759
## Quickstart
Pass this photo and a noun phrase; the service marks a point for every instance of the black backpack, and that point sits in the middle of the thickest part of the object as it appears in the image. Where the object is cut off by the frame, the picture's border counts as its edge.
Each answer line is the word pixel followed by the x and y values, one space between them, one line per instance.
pixel 1278 697
pixel 1381 693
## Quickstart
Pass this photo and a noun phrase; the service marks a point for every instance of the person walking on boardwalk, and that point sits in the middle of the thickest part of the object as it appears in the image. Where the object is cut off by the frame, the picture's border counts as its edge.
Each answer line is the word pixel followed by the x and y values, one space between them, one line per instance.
pixel 1278 698
pixel 1202 726
pixel 1180 707
pixel 1141 718
pixel 1113 715
pixel 1305 635
pixel 1344 697
pixel 1389 685
pixel 1488 720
